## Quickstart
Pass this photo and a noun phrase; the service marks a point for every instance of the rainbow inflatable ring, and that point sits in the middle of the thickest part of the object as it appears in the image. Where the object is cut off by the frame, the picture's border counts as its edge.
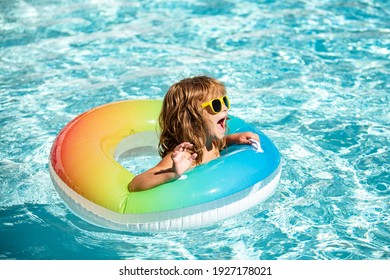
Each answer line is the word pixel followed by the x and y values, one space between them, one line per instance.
pixel 85 171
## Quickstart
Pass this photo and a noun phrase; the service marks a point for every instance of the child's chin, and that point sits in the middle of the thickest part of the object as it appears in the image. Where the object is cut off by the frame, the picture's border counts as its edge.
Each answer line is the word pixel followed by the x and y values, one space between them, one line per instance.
pixel 220 136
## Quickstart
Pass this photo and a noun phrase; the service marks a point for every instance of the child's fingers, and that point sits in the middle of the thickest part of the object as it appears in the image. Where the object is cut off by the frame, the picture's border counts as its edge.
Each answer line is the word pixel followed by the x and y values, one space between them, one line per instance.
pixel 187 145
pixel 253 136
pixel 183 145
pixel 180 149
pixel 193 156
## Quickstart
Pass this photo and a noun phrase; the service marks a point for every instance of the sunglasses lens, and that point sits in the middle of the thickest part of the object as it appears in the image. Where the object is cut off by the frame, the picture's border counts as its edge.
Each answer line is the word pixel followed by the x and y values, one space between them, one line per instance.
pixel 226 101
pixel 217 106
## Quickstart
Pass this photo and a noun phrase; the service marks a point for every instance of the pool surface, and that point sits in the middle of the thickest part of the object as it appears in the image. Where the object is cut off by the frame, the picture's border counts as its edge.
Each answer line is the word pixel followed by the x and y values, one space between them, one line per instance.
pixel 313 75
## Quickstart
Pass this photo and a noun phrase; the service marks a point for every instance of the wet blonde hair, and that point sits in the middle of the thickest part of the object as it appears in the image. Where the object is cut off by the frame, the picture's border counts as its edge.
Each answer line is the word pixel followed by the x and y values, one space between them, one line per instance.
pixel 181 118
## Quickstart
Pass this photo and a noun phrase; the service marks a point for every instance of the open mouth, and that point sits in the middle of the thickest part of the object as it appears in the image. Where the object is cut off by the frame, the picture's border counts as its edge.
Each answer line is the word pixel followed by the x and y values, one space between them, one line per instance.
pixel 222 123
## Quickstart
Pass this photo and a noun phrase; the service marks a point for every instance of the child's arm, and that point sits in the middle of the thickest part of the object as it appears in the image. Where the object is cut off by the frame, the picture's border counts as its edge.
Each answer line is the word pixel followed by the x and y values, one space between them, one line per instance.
pixel 241 138
pixel 171 167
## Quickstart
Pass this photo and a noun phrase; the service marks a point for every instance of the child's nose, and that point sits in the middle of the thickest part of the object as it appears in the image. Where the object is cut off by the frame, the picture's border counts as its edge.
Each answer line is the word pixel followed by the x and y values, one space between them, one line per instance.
pixel 224 107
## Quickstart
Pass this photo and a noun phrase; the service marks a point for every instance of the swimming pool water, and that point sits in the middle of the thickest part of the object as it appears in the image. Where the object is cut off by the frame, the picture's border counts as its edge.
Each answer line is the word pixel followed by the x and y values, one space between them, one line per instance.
pixel 313 75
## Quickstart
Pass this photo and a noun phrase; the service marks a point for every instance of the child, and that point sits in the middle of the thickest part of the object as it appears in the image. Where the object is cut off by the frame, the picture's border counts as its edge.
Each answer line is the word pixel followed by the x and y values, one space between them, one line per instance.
pixel 193 127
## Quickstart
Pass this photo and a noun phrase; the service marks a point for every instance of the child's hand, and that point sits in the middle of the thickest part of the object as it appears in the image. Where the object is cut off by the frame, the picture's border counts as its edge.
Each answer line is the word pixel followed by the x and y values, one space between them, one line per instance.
pixel 241 138
pixel 182 159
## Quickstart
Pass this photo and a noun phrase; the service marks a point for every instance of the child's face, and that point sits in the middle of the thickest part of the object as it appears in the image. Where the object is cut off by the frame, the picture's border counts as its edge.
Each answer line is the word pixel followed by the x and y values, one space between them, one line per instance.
pixel 215 122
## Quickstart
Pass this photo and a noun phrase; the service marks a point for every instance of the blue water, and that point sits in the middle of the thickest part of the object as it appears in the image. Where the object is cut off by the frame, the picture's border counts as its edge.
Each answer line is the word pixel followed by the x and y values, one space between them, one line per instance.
pixel 313 75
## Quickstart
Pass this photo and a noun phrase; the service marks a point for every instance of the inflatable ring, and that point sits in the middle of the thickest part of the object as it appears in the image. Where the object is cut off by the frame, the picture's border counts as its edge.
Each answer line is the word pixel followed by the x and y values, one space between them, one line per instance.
pixel 85 171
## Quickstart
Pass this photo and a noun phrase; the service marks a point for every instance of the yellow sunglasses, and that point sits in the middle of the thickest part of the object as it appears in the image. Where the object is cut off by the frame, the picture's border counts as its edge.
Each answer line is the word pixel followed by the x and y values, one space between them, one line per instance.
pixel 216 104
